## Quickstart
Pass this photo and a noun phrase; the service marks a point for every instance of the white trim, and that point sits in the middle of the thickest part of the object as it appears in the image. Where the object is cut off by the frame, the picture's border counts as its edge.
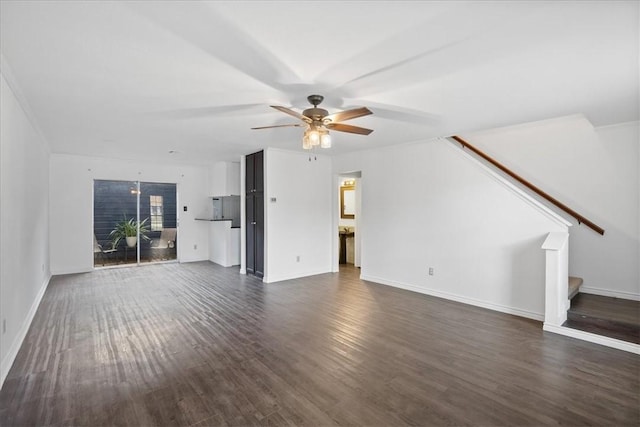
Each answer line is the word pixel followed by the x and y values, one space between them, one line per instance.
pixel 180 261
pixel 556 281
pixel 187 259
pixel 453 297
pixel 629 123
pixel 609 293
pixel 272 279
pixel 596 339
pixel 555 241
pixel 10 357
pixel 73 270
pixel 510 186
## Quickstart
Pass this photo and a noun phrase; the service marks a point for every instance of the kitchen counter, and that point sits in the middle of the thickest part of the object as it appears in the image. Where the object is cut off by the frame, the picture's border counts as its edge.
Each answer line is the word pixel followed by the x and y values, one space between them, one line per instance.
pixel 224 242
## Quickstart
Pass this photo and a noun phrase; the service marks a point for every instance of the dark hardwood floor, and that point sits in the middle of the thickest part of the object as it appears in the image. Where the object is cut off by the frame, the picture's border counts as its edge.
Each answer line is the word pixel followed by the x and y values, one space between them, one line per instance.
pixel 197 344
pixel 612 317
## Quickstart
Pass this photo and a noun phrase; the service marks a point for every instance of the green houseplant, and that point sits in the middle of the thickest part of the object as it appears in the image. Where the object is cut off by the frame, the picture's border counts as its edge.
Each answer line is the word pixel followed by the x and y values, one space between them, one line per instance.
pixel 128 229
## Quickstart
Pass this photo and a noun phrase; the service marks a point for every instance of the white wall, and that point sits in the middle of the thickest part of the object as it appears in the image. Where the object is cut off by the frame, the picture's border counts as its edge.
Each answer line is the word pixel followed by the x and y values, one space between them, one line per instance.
pixel 446 211
pixel 299 222
pixel 225 179
pixel 24 222
pixel 594 172
pixel 71 208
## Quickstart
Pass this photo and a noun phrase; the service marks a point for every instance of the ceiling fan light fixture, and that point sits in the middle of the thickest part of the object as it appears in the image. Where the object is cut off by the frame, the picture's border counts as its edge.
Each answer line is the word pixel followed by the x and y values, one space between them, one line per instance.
pixel 314 137
pixel 325 140
pixel 306 144
pixel 317 122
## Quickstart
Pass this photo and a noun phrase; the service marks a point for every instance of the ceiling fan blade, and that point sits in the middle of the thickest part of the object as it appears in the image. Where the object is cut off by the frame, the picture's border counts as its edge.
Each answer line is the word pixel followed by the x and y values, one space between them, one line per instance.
pixel 349 114
pixel 396 112
pixel 341 127
pixel 292 113
pixel 280 126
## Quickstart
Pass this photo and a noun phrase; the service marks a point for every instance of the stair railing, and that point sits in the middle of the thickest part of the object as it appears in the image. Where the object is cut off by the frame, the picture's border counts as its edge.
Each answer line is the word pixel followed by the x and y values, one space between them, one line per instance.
pixel 581 219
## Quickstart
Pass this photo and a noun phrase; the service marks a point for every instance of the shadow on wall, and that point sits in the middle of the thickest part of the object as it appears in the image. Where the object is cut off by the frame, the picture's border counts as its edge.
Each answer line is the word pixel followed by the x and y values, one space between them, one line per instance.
pixel 527 265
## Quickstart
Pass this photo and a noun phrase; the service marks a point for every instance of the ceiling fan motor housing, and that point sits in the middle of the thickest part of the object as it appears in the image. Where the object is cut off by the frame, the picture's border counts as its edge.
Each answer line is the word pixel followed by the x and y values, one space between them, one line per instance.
pixel 318 119
pixel 315 114
pixel 315 100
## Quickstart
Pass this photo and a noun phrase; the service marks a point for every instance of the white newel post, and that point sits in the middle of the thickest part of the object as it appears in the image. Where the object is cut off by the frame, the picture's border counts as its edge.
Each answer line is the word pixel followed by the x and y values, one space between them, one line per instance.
pixel 556 247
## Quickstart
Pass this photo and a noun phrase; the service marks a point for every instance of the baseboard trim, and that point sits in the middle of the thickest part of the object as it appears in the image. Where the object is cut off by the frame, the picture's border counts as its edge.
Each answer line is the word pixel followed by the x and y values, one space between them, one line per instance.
pixel 193 259
pixel 75 270
pixel 8 360
pixel 593 338
pixel 458 298
pixel 610 293
pixel 271 279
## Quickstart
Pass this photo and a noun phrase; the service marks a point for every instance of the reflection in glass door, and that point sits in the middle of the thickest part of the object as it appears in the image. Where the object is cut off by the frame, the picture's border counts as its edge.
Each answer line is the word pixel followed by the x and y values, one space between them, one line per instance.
pixel 158 204
pixel 134 222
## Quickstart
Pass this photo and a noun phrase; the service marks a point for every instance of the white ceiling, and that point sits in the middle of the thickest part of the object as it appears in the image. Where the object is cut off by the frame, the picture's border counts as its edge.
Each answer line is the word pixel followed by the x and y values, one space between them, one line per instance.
pixel 138 79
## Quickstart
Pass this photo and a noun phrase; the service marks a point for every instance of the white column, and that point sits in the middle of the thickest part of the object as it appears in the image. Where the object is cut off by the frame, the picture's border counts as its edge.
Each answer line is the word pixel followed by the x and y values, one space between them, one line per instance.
pixel 556 246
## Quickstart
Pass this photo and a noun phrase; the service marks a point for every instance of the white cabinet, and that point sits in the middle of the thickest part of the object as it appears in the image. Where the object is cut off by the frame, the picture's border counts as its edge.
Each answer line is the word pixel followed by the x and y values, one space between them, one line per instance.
pixel 225 179
pixel 224 243
pixel 224 237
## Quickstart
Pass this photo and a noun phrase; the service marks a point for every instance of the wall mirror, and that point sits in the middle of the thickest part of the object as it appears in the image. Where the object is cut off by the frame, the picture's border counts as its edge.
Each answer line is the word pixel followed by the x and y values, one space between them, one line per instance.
pixel 347 202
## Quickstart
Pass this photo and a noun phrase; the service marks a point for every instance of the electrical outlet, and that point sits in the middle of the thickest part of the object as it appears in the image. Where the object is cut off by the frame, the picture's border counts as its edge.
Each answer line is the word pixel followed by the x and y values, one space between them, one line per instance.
pixel 195 247
pixel 430 271
pixel 298 258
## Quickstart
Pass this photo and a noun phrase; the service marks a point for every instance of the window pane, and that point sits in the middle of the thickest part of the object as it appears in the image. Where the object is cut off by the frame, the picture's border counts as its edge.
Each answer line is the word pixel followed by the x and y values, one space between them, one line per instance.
pixel 156 212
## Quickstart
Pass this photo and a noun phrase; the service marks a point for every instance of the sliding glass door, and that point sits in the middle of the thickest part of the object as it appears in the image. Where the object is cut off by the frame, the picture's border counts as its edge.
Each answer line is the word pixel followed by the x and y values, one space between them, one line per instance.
pixel 158 204
pixel 134 222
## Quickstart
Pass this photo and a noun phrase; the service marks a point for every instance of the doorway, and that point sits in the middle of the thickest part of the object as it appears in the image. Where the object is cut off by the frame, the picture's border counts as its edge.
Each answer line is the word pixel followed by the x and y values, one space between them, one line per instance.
pixel 134 222
pixel 349 219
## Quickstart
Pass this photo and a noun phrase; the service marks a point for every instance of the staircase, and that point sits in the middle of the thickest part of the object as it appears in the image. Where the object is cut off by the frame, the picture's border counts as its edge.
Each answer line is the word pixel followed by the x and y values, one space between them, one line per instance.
pixel 574 286
pixel 611 317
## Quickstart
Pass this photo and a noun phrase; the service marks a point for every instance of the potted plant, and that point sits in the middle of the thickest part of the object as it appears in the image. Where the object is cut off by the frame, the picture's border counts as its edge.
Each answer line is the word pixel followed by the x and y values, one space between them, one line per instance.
pixel 128 229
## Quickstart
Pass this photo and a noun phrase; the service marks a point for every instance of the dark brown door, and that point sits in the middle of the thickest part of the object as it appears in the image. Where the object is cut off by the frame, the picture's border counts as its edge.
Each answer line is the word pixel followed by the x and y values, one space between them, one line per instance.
pixel 255 213
pixel 258 171
pixel 250 174
pixel 251 234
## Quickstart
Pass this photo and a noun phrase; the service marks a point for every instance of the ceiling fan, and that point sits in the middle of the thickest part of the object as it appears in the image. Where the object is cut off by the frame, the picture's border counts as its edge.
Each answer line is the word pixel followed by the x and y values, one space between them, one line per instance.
pixel 318 122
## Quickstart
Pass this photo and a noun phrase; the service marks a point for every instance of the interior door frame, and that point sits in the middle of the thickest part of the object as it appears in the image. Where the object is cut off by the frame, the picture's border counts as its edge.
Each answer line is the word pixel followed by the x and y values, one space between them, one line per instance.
pixel 335 256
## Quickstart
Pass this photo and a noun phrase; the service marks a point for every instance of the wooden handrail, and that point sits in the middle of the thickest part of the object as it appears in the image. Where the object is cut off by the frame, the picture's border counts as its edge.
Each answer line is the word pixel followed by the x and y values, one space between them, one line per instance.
pixel 576 215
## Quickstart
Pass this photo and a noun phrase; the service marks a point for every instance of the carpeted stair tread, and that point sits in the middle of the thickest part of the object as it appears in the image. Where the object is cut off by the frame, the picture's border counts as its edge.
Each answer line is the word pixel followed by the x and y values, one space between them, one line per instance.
pixel 574 286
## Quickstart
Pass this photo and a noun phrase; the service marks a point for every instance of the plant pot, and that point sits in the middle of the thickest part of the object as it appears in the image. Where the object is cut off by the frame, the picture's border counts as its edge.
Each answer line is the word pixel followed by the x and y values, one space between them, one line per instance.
pixel 131 241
